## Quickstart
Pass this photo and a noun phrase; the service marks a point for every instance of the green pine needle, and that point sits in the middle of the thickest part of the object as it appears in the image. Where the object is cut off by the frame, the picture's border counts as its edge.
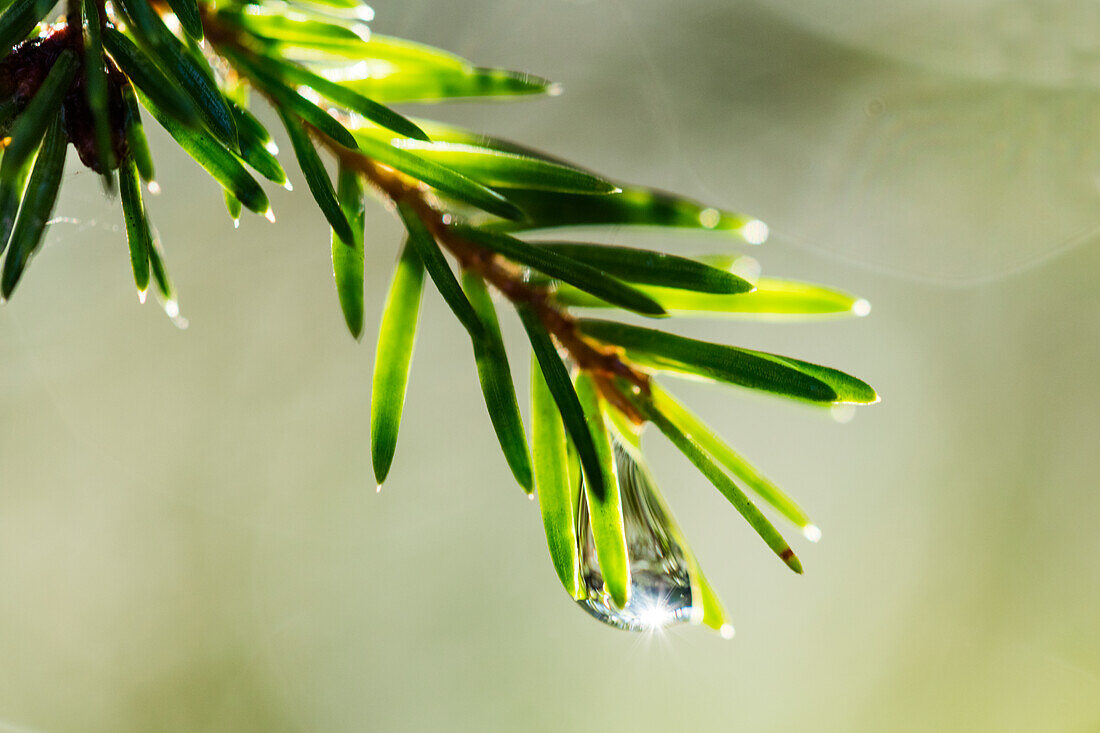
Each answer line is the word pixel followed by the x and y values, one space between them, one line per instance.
pixel 468 202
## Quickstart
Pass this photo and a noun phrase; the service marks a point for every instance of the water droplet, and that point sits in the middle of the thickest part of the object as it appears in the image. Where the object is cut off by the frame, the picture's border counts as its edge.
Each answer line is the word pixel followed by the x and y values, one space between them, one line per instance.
pixel 288 186
pixel 172 310
pixel 861 307
pixel 153 187
pixel 709 218
pixel 270 215
pixel 271 147
pixel 236 222
pixel 660 585
pixel 755 232
pixel 141 295
pixel 811 532
pixel 747 268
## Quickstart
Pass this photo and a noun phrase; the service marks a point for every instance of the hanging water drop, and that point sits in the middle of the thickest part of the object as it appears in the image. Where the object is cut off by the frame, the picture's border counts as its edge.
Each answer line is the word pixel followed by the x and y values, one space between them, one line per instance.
pixel 660 582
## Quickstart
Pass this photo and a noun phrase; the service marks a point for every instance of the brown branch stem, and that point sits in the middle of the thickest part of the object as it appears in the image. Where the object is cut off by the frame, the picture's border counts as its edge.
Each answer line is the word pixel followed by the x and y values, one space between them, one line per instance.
pixel 74 19
pixel 601 360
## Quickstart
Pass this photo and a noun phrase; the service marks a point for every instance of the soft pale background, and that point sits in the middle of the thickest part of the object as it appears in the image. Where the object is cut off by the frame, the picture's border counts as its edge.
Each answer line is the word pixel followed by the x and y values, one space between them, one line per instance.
pixel 189 534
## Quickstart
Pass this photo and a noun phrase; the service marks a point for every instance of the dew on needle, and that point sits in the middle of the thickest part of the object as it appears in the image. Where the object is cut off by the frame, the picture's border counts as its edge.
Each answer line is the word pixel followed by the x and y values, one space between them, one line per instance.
pixel 660 581
pixel 755 232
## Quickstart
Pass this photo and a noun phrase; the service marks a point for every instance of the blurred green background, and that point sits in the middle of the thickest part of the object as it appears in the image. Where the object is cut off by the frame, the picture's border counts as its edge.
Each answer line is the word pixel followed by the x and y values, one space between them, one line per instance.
pixel 189 534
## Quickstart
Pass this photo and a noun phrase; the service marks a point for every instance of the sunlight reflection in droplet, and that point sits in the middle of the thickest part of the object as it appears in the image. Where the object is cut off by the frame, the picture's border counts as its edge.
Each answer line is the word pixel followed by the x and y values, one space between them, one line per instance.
pixel 755 232
pixel 747 268
pixel 709 218
pixel 660 583
pixel 172 310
